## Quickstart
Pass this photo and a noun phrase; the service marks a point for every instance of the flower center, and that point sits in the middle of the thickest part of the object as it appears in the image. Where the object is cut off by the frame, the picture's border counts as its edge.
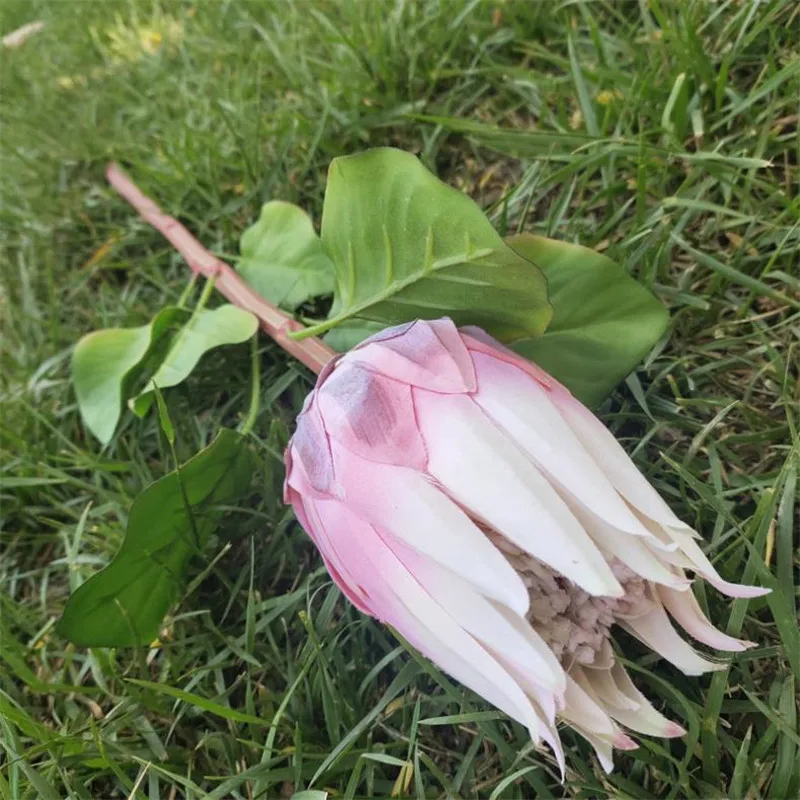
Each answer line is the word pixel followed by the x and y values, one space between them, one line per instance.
pixel 574 624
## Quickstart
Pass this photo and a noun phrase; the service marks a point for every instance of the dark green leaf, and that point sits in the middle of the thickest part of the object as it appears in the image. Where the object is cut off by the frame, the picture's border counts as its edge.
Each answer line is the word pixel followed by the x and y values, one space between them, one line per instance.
pixel 282 256
pixel 576 148
pixel 204 331
pixel 163 416
pixel 406 246
pixel 740 769
pixel 123 604
pixel 604 322
pixel 104 364
pixel 200 702
pixel 787 766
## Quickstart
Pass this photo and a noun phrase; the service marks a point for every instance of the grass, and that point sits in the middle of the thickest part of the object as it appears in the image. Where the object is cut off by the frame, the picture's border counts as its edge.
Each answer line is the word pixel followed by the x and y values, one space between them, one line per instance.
pixel 663 133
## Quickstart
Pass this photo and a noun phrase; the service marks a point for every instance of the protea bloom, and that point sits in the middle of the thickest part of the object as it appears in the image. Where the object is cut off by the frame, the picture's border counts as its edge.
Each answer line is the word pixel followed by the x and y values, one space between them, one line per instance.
pixel 460 494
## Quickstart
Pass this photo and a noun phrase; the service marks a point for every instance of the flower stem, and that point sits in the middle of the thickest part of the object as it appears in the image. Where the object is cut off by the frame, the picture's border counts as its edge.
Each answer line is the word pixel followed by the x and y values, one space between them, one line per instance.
pixel 311 351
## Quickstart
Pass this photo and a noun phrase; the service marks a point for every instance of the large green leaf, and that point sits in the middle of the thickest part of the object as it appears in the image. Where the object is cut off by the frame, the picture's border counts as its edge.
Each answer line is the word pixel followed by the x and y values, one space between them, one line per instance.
pixel 123 604
pixel 104 364
pixel 604 322
pixel 405 245
pixel 282 256
pixel 204 331
pixel 348 334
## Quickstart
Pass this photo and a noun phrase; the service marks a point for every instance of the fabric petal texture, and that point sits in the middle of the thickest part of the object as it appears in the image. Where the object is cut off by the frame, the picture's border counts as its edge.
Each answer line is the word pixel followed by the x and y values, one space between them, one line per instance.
pixel 460 494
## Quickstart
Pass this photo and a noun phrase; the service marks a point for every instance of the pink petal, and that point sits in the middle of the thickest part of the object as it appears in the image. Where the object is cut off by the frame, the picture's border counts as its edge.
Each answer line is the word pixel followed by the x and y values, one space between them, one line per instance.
pixel 413 510
pixel 478 616
pixel 487 474
pixel 656 631
pixel 399 600
pixel 293 498
pixel 623 742
pixel 686 611
pixel 478 341
pixel 345 587
pixel 312 524
pixel 507 636
pixel 371 416
pixel 310 447
pixel 525 409
pixel 428 354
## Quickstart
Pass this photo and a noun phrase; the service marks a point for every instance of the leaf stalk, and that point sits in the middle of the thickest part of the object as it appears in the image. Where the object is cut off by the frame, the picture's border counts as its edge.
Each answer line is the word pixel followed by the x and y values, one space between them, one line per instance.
pixel 277 324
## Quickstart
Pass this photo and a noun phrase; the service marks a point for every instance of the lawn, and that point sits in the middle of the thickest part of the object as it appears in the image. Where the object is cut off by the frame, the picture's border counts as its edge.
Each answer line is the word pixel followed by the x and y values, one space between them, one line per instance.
pixel 663 133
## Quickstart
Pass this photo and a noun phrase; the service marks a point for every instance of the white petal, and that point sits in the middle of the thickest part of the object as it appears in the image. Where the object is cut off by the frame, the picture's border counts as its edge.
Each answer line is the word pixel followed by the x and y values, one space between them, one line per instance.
pixel 544 701
pixel 524 408
pixel 602 748
pixel 405 503
pixel 656 631
pixel 645 719
pixel 485 472
pixel 584 712
pixel 535 641
pixel 481 618
pixel 630 550
pixel 616 463
pixel 550 735
pixel 604 688
pixel 686 611
pixel 700 563
pixel 466 665
pixel 660 539
pixel 399 599
pixel 604 658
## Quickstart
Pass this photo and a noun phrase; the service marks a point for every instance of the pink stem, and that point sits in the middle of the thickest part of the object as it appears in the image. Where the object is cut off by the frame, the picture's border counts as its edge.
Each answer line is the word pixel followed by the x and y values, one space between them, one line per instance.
pixel 312 352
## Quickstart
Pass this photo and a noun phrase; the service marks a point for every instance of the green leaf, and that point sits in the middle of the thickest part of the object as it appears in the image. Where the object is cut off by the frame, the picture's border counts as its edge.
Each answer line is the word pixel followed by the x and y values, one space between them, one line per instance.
pixel 105 363
pixel 163 416
pixel 123 604
pixel 406 246
pixel 347 335
pixel 204 331
pixel 787 768
pixel 604 322
pixel 200 702
pixel 282 256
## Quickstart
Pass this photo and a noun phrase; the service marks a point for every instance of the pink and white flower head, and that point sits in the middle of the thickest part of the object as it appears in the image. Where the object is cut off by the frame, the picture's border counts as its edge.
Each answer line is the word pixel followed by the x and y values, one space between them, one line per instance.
pixel 462 495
